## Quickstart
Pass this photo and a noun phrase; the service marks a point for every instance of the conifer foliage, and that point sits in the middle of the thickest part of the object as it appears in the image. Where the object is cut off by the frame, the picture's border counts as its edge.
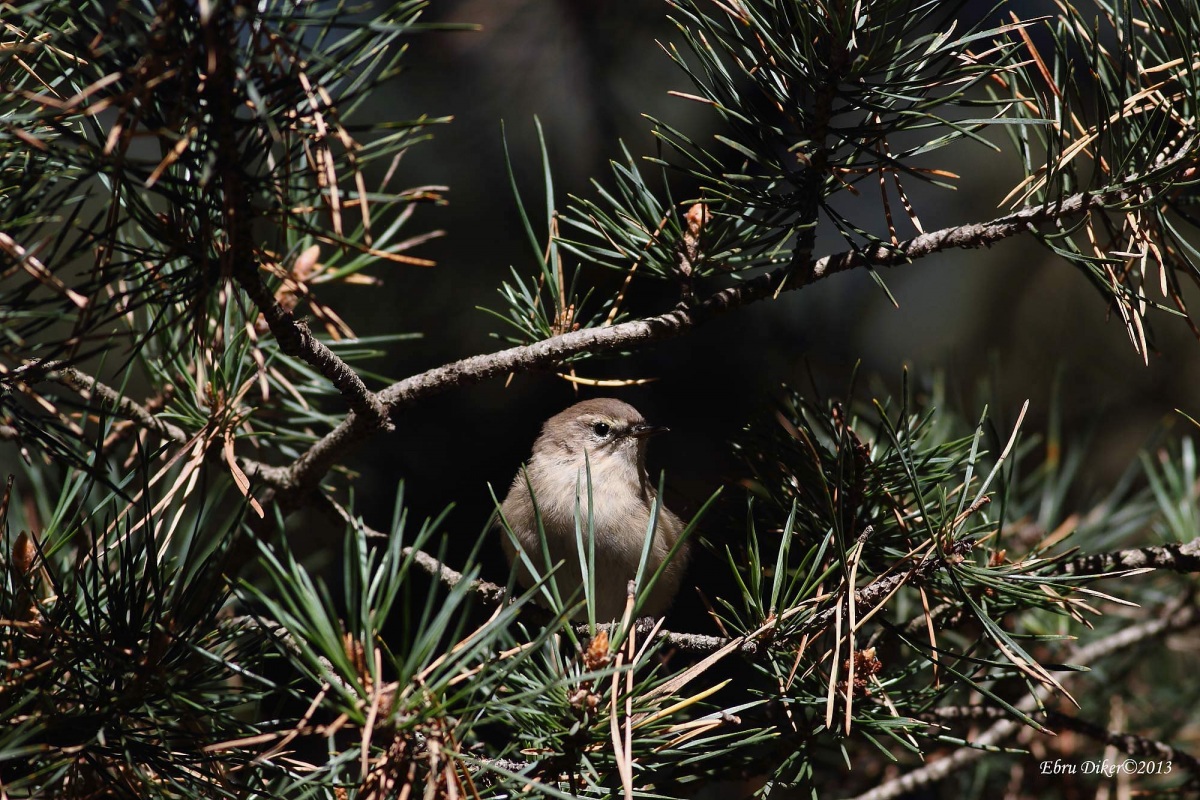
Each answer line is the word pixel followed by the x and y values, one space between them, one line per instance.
pixel 179 183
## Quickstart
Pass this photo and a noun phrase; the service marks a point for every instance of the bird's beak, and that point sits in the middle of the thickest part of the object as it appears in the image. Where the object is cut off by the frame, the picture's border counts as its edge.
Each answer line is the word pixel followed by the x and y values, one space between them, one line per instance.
pixel 645 431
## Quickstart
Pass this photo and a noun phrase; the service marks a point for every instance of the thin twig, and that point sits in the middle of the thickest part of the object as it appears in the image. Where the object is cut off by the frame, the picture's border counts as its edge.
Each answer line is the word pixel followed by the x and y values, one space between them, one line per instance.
pixel 86 386
pixel 449 577
pixel 1128 743
pixel 1182 558
pixel 1181 616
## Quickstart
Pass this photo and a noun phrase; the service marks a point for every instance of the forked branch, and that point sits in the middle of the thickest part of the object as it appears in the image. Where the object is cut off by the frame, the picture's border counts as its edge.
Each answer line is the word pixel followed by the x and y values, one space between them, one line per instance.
pixel 307 471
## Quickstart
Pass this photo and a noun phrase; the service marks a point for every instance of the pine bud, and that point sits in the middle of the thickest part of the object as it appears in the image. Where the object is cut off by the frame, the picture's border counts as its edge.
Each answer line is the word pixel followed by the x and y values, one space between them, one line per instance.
pixel 24 554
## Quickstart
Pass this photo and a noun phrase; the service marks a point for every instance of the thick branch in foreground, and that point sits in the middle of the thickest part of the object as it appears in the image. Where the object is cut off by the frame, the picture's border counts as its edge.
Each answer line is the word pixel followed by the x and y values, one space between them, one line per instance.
pixel 312 466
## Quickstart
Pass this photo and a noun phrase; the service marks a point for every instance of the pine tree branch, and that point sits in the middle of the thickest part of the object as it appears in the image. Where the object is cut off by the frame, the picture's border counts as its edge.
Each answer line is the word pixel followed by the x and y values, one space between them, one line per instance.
pixel 295 339
pixel 307 471
pixel 937 716
pixel 449 577
pixel 1170 556
pixel 687 642
pixel 85 384
pixel 1128 743
pixel 1182 558
pixel 1180 616
pixel 1176 557
pixel 238 259
pixel 88 387
pixel 866 598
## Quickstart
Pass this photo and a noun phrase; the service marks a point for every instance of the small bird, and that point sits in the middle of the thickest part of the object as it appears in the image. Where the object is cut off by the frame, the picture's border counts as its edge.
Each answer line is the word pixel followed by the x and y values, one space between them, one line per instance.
pixel 609 437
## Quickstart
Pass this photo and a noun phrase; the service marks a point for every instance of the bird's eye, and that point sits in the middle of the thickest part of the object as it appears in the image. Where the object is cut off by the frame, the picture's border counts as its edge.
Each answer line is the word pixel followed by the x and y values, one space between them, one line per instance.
pixel 601 429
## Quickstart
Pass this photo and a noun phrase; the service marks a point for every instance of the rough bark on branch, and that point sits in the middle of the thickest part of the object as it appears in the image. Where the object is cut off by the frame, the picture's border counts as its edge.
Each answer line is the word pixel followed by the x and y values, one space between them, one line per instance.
pixel 295 339
pixel 1176 557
